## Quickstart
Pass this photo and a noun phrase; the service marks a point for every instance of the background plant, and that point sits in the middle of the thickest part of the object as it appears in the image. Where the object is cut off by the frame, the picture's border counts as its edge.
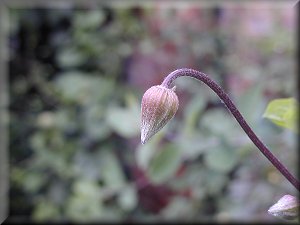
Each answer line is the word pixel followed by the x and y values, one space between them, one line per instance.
pixel 76 79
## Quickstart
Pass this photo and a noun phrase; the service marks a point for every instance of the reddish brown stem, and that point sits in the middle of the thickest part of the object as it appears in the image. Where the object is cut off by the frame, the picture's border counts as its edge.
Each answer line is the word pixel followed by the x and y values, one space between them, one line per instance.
pixel 235 112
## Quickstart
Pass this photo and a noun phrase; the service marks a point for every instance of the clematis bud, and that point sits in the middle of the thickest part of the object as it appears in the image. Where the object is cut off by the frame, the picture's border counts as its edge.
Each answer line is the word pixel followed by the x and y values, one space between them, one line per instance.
pixel 159 105
pixel 286 208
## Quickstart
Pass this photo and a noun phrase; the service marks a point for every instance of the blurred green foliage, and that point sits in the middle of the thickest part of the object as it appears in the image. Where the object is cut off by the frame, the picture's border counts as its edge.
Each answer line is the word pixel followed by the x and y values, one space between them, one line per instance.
pixel 76 80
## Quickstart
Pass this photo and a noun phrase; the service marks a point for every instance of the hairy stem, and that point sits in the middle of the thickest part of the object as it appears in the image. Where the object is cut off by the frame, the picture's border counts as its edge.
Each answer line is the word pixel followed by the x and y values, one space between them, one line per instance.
pixel 235 112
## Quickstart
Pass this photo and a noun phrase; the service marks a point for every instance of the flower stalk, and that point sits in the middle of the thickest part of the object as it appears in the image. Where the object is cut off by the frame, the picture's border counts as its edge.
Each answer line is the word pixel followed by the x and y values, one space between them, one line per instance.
pixel 169 113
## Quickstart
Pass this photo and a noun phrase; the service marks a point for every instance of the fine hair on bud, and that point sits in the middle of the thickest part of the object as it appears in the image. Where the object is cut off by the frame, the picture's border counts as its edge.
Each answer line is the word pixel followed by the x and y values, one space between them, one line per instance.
pixel 159 105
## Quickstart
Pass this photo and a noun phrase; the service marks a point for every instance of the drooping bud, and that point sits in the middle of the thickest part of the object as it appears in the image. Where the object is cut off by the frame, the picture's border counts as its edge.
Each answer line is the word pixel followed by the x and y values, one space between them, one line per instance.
pixel 286 208
pixel 159 105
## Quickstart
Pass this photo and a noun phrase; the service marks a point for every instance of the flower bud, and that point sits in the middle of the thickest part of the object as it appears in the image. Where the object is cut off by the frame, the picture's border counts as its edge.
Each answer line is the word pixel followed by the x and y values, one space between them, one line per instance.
pixel 159 105
pixel 286 208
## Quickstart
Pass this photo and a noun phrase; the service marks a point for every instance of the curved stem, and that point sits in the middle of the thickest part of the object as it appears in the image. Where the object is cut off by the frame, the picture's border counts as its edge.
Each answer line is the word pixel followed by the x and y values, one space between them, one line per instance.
pixel 235 112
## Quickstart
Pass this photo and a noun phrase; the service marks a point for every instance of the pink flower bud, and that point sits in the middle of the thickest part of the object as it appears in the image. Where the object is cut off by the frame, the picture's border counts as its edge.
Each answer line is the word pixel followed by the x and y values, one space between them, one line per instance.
pixel 159 105
pixel 286 208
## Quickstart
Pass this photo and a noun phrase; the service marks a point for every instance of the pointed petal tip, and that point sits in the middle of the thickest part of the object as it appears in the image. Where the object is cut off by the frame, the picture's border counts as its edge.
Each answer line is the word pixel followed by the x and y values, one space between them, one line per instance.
pixel 144 136
pixel 143 141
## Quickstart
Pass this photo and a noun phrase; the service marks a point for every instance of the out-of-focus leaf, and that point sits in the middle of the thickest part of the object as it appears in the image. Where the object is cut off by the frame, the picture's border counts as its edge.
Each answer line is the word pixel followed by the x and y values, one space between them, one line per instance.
pixel 286 208
pixel 45 211
pixel 31 181
pixel 86 188
pixel 221 158
pixel 95 125
pixel 164 163
pixel 179 208
pixel 89 19
pixel 128 198
pixel 214 181
pixel 47 158
pixel 194 145
pixel 250 103
pixel 86 165
pixel 65 120
pixel 192 112
pixel 125 121
pixel 70 57
pixel 110 169
pixel 58 193
pixel 85 203
pixel 283 112
pixel 45 120
pixel 203 181
pixel 82 209
pixel 219 122
pixel 98 130
pixel 145 153
pixel 84 88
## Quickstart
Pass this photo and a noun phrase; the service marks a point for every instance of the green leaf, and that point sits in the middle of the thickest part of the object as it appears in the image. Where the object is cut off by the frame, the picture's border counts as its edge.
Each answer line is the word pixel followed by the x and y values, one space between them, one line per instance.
pixel 221 159
pixel 111 170
pixel 178 208
pixel 91 19
pixel 219 122
pixel 250 103
pixel 45 210
pixel 125 121
pixel 31 181
pixel 283 112
pixel 145 153
pixel 164 164
pixel 84 88
pixel 85 204
pixel 195 144
pixel 86 189
pixel 127 198
pixel 214 181
pixel 95 124
pixel 70 57
pixel 192 112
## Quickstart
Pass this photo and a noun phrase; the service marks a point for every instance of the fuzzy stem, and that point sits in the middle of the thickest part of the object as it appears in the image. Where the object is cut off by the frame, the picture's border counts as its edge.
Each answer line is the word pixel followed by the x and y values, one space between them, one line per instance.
pixel 235 112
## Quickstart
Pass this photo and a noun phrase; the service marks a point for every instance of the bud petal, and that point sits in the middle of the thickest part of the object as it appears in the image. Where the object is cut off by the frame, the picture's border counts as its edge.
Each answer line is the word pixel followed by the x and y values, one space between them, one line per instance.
pixel 159 105
pixel 286 208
